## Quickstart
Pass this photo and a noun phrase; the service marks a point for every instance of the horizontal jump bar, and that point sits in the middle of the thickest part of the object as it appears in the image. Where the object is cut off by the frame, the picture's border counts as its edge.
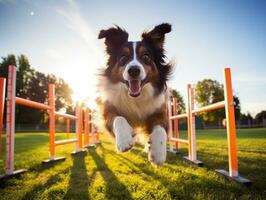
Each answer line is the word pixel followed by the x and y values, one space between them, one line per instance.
pixel 214 106
pixel 61 142
pixel 179 116
pixel 33 104
pixel 65 115
pixel 179 140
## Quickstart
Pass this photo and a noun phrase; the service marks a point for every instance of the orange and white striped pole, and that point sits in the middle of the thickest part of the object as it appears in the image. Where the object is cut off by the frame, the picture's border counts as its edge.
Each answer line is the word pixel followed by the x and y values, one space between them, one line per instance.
pixel 2 105
pixel 51 94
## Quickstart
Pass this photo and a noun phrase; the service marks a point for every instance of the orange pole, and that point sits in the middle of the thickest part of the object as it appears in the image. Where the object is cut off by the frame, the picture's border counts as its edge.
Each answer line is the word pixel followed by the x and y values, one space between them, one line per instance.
pixel 97 133
pixel 86 131
pixel 33 104
pixel 214 106
pixel 52 120
pixel 2 105
pixel 67 127
pixel 175 122
pixel 180 116
pixel 231 129
pixel 189 119
pixel 80 128
pixel 89 127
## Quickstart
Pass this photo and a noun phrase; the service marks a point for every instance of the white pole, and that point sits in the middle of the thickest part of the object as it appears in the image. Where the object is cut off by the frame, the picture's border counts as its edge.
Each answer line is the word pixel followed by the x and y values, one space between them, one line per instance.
pixel 10 119
pixel 193 127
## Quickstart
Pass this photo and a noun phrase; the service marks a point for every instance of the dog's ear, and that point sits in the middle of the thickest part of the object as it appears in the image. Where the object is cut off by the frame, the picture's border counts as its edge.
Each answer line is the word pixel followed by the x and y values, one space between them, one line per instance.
pixel 156 36
pixel 114 38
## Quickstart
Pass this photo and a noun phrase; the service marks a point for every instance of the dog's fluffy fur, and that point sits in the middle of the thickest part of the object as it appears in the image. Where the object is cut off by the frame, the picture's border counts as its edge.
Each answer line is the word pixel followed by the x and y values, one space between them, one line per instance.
pixel 133 88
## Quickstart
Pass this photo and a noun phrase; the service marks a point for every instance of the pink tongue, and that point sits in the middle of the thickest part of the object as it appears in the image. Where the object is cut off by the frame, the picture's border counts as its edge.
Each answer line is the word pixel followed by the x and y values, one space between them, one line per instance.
pixel 134 87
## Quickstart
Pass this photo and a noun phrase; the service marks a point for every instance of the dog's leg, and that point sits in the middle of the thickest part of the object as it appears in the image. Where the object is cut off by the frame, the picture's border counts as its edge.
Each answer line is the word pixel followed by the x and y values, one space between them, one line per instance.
pixel 118 127
pixel 123 134
pixel 157 150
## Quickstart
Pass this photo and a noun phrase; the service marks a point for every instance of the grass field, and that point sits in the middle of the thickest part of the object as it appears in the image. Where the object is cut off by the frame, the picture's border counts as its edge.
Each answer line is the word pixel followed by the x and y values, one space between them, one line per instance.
pixel 101 173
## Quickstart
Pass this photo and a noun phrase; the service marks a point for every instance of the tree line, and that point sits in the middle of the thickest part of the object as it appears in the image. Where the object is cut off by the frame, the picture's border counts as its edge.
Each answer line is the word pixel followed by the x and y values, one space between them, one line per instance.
pixel 32 84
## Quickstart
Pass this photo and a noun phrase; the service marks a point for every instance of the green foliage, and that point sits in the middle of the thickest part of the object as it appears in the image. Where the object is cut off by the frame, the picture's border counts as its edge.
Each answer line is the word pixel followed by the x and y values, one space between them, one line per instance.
pixel 102 173
pixel 33 85
pixel 210 91
pixel 237 107
pixel 180 100
pixel 246 119
pixel 260 116
pixel 6 61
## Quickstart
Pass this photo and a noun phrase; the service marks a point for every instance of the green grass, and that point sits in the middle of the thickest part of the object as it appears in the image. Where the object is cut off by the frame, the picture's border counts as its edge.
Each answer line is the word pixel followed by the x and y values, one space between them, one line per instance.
pixel 101 173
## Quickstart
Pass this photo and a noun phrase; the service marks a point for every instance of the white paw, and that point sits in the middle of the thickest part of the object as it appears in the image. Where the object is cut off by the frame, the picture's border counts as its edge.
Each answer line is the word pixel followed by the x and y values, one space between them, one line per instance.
pixel 157 152
pixel 123 134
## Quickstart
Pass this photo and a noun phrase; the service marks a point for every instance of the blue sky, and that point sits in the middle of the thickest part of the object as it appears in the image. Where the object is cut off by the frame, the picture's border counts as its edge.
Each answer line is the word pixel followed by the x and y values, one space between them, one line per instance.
pixel 60 37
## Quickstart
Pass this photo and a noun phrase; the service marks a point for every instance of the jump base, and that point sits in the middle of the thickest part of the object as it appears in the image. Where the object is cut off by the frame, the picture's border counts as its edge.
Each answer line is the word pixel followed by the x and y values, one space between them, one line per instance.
pixel 78 152
pixel 173 151
pixel 195 162
pixel 237 179
pixel 16 174
pixel 90 146
pixel 53 160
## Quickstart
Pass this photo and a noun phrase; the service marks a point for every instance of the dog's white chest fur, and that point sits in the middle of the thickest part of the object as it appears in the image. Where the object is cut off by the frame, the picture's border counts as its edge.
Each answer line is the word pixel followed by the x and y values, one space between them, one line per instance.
pixel 134 109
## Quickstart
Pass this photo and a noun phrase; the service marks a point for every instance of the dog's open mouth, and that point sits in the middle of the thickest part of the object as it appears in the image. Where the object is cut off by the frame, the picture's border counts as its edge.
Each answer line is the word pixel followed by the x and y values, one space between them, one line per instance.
pixel 134 87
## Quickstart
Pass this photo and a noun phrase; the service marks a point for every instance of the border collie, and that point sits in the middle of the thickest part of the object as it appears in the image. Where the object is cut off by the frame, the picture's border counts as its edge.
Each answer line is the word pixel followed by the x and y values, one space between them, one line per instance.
pixel 133 89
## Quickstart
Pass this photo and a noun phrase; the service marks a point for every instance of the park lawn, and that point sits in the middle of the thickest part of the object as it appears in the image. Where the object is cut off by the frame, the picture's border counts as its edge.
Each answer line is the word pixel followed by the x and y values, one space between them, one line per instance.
pixel 101 173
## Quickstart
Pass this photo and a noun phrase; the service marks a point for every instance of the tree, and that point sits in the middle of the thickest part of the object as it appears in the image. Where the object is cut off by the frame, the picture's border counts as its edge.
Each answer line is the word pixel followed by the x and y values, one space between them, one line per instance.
pixel 23 85
pixel 246 119
pixel 260 117
pixel 237 107
pixel 210 91
pixel 180 100
pixel 9 60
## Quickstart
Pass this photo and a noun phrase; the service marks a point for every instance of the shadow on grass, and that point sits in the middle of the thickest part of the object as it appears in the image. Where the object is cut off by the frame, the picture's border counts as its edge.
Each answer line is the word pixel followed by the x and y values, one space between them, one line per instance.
pixel 187 180
pixel 39 188
pixel 114 188
pixel 79 179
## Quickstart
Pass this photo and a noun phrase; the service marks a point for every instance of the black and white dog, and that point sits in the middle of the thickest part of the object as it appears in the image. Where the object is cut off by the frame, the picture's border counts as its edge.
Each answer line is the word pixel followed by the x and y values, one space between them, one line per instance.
pixel 133 88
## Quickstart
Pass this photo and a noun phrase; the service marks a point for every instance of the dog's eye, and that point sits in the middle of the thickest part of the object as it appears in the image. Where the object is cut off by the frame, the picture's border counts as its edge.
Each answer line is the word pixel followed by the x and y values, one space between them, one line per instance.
pixel 146 58
pixel 123 60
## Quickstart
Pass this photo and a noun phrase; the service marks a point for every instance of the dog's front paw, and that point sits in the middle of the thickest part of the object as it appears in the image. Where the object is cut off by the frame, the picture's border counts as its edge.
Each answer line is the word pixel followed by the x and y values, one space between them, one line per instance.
pixel 157 152
pixel 123 134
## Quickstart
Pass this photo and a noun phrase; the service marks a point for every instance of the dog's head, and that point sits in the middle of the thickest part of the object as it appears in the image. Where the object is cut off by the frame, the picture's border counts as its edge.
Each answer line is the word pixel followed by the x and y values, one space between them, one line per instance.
pixel 137 63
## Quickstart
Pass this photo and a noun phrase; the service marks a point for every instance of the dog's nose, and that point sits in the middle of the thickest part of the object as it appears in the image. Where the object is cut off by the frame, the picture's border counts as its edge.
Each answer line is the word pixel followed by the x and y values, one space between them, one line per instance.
pixel 134 71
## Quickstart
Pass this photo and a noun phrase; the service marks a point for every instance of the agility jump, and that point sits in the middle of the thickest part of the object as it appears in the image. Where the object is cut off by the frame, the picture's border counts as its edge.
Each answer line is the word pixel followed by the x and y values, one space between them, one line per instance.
pixel 12 100
pixel 228 105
